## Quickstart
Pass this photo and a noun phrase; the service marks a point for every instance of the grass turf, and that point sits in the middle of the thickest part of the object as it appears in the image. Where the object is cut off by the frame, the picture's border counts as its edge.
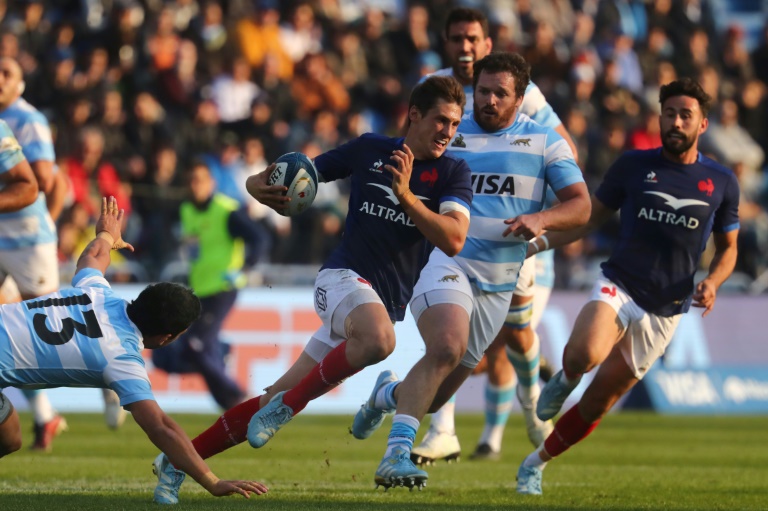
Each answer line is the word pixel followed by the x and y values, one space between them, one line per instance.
pixel 633 461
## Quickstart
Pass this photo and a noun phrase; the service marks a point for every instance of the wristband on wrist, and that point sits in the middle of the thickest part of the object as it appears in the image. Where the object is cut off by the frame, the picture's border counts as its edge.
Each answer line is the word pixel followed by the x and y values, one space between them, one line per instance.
pixel 107 237
pixel 208 480
pixel 543 237
pixel 409 199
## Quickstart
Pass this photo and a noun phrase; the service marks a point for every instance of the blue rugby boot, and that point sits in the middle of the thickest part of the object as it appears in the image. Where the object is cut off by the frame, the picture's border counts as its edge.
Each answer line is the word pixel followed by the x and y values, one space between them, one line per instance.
pixel 369 418
pixel 168 481
pixel 397 469
pixel 529 480
pixel 267 421
pixel 553 395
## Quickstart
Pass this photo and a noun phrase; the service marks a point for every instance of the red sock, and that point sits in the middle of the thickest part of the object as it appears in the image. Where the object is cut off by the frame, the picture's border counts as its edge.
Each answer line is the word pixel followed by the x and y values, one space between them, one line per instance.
pixel 570 429
pixel 329 373
pixel 228 431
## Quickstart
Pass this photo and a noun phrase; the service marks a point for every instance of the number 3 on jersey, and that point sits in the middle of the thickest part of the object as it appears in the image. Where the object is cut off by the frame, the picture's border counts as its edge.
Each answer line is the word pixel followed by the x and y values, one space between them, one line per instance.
pixel 90 328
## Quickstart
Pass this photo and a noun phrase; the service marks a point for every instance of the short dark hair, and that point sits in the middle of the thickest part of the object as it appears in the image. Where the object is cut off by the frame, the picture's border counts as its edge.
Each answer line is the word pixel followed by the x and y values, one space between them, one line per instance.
pixel 465 14
pixel 686 87
pixel 164 308
pixel 508 62
pixel 426 94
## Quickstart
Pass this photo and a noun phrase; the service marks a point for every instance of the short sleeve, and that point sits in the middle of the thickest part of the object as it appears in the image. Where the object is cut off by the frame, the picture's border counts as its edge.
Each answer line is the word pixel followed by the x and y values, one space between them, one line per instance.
pixel 611 191
pixel 727 215
pixel 89 277
pixel 335 164
pixel 35 137
pixel 10 149
pixel 457 194
pixel 536 107
pixel 560 167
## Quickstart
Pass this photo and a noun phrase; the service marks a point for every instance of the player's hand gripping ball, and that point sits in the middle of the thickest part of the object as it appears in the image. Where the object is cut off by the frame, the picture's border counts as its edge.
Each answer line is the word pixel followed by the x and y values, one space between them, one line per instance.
pixel 298 173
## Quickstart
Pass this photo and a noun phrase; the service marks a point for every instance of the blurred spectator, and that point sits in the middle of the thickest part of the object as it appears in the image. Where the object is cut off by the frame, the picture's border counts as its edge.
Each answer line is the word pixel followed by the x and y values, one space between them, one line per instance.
pixel 662 75
pixel 576 123
pixel 233 92
pixel 156 199
pixel 211 37
pixel 412 38
pixel 611 97
pixel 656 49
pixel 223 166
pixel 737 65
pixel 384 88
pixel 163 44
pixel 112 125
pixel 648 134
pixel 92 177
pixel 694 55
pixel 347 59
pixel 626 17
pixel 259 36
pixel 148 127
pixel 549 62
pixel 199 134
pixel 760 57
pixel 604 149
pixel 314 87
pixel 731 144
pixel 753 106
pixel 301 35
pixel 179 86
pixel 79 112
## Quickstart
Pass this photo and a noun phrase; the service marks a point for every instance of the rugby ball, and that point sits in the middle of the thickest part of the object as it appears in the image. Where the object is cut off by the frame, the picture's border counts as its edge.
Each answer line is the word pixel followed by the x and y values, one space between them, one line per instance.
pixel 298 173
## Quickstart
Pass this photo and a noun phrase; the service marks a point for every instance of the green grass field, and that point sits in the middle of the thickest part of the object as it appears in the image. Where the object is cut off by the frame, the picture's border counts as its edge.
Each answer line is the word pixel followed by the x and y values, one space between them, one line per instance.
pixel 632 462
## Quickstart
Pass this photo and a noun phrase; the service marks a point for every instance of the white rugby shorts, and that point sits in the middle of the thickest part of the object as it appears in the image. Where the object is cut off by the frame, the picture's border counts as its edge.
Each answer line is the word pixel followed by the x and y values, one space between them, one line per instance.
pixel 443 281
pixel 337 293
pixel 35 269
pixel 646 335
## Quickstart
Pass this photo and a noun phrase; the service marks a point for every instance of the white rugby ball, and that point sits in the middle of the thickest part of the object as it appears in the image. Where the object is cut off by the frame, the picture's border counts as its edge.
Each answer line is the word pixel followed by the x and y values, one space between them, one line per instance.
pixel 298 173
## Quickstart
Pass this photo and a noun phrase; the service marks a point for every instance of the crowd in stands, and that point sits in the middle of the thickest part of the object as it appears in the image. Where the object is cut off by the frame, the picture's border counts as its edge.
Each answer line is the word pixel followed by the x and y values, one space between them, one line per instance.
pixel 136 91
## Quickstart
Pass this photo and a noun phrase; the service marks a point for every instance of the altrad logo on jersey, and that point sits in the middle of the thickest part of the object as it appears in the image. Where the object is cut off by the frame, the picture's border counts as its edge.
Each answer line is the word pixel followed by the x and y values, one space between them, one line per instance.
pixel 493 184
pixel 667 217
pixel 386 212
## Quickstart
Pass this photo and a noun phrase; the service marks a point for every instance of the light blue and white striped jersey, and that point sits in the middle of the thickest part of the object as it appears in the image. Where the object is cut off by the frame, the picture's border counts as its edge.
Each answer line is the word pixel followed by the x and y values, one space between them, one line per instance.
pixel 76 337
pixel 534 104
pixel 10 150
pixel 511 169
pixel 31 225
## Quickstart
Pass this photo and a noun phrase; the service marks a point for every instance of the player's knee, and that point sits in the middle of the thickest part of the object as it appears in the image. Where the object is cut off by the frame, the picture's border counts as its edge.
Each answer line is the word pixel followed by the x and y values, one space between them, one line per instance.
pixel 581 360
pixel 380 345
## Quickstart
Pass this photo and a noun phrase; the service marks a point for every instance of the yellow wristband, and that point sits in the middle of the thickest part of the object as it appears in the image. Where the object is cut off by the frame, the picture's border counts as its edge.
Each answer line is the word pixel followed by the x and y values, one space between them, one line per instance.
pixel 409 199
pixel 107 237
pixel 208 480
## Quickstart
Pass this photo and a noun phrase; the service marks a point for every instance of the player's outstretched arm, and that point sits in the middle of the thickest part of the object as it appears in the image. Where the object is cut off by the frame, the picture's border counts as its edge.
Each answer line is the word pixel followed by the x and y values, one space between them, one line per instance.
pixel 572 212
pixel 721 267
pixel 553 239
pixel 171 439
pixel 108 237
pixel 269 195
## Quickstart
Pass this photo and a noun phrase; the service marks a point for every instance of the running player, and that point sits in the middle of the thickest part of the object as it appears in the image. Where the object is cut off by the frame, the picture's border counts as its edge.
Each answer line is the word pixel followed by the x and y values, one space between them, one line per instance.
pixel 467 40
pixel 406 196
pixel 513 160
pixel 670 199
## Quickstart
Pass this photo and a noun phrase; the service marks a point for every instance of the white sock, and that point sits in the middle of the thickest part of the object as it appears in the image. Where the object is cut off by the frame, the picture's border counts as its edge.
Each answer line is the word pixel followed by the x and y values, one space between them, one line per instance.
pixel 443 420
pixel 40 405
pixel 534 460
pixel 385 397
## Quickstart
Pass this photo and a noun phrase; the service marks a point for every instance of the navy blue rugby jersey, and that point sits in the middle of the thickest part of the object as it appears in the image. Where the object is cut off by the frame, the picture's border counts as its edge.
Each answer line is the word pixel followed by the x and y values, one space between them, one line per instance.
pixel 380 241
pixel 668 211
